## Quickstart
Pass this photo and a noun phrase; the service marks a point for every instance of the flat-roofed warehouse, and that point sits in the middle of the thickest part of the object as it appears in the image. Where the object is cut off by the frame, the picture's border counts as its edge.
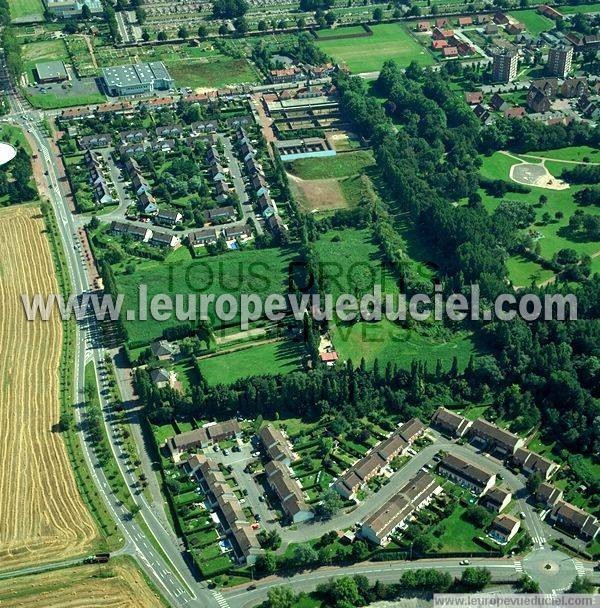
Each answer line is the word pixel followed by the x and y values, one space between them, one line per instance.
pixel 51 71
pixel 72 8
pixel 135 79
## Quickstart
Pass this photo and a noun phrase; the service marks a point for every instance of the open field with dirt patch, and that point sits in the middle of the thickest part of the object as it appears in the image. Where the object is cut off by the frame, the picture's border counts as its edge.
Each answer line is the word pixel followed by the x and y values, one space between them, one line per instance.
pixel 317 194
pixel 118 584
pixel 42 517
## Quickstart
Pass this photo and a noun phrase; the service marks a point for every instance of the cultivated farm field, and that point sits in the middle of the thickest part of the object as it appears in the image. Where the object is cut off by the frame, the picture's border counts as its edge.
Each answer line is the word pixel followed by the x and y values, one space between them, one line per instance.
pixel 42 517
pixel 116 585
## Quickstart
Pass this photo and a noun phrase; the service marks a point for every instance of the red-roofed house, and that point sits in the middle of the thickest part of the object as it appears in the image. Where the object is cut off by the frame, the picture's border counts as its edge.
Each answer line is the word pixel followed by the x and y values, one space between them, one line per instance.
pixel 463 21
pixel 450 51
pixel 439 44
pixel 516 112
pixel 329 358
pixel 423 26
pixel 474 97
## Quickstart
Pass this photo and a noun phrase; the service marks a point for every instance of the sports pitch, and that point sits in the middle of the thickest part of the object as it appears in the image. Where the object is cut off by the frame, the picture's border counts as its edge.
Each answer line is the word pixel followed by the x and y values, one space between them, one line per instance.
pixel 389 41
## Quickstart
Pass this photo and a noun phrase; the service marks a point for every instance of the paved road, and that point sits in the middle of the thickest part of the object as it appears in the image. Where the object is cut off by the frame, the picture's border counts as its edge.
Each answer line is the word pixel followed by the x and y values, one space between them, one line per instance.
pixel 235 173
pixel 501 569
pixel 165 567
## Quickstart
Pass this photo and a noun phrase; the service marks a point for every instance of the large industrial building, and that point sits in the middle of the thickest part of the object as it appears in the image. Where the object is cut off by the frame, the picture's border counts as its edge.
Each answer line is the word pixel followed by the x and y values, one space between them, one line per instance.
pixel 51 71
pixel 72 8
pixel 135 79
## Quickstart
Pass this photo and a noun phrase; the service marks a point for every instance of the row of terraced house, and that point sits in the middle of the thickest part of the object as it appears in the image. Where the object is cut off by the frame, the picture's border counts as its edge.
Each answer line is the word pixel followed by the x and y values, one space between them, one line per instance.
pixel 377 458
pixel 280 477
pixel 505 444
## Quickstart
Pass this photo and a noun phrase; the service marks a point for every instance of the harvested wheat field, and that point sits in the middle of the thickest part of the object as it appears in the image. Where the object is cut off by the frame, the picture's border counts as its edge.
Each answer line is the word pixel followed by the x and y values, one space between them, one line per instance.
pixel 118 584
pixel 42 517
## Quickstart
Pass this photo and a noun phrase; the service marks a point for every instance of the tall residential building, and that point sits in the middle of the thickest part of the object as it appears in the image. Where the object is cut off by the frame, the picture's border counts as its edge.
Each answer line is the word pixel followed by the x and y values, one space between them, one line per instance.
pixel 559 61
pixel 504 68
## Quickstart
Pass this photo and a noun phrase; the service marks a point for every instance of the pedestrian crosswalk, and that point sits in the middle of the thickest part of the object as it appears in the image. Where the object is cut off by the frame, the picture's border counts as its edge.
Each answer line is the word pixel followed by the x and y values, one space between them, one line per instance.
pixel 519 566
pixel 220 599
pixel 579 568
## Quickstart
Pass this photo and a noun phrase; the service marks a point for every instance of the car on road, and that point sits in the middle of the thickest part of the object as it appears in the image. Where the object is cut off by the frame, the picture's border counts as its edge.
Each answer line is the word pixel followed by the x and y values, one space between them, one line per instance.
pixel 522 514
pixel 255 526
pixel 251 587
pixel 464 562
pixel 257 516
pixel 261 498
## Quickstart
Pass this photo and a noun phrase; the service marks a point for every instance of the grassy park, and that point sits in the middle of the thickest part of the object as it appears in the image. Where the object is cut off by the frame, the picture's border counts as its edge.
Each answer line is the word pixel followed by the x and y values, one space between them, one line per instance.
pixel 389 41
pixel 554 234
pixel 331 167
pixel 269 358
pixel 25 8
pixel 252 271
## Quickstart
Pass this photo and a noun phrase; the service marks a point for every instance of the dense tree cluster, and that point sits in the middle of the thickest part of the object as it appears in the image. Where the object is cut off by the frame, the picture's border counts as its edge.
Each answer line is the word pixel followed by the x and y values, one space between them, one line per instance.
pixel 229 9
pixel 15 182
pixel 527 135
pixel 582 174
pixel 428 163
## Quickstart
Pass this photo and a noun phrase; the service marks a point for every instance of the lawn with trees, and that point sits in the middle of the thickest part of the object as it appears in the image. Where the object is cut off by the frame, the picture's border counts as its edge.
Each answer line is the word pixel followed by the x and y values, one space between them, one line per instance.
pixel 261 271
pixel 253 360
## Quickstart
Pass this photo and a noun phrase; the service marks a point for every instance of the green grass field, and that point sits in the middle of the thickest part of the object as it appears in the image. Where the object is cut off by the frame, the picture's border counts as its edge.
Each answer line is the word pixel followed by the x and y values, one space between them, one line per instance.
pixel 458 533
pixel 254 271
pixel 340 31
pixel 25 8
pixel 576 153
pixel 353 263
pixel 217 72
pixel 580 8
pixel 533 21
pixel 523 272
pixel 389 41
pixel 555 235
pixel 340 165
pixel 49 101
pixel 496 166
pixel 272 358
pixel 389 342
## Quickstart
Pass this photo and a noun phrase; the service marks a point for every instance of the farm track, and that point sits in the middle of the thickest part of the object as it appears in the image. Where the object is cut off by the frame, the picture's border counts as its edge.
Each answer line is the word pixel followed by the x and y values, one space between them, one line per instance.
pixel 42 517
